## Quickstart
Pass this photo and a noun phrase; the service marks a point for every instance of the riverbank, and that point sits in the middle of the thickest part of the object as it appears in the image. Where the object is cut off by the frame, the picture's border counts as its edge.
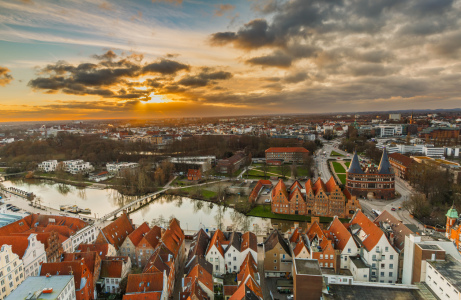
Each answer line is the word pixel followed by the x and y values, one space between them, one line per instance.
pixel 59 180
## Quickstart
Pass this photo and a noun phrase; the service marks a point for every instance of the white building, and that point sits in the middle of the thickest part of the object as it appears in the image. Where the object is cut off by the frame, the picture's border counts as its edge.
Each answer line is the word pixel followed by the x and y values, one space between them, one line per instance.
pixel 85 235
pixel 343 242
pixel 77 166
pixel 116 167
pixel 442 276
pixel 34 256
pixel 46 287
pixel 113 270
pixel 11 271
pixel 48 165
pixel 375 249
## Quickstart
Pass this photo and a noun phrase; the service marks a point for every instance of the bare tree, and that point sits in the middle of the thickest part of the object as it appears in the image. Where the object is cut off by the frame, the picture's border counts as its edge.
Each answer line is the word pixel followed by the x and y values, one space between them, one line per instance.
pixel 294 170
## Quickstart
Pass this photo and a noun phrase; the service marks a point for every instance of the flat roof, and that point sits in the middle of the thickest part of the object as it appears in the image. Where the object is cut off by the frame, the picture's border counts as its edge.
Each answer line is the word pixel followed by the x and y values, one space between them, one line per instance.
pixel 450 269
pixel 35 284
pixel 358 292
pixel 430 247
pixel 307 267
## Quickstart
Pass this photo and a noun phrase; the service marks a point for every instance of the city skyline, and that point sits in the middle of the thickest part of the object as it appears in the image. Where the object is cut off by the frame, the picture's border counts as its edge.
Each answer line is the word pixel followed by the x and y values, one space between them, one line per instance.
pixel 157 59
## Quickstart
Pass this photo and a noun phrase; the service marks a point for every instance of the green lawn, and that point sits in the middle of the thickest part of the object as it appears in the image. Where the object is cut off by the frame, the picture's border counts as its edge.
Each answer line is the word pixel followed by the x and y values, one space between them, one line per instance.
pixel 263 211
pixel 302 172
pixel 347 163
pixel 207 194
pixel 342 177
pixel 334 153
pixel 338 167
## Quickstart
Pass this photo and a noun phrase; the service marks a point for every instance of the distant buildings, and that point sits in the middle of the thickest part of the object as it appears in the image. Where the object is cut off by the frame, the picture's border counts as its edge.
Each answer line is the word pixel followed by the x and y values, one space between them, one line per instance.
pixel 71 166
pixel 194 175
pixel 287 154
pixel 231 164
pixel 115 168
pixel 380 182
pixel 400 164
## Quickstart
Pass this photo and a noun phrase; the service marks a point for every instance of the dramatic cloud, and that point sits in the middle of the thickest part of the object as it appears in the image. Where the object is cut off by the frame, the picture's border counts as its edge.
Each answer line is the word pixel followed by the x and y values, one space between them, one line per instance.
pixel 165 67
pixel 5 77
pixel 276 59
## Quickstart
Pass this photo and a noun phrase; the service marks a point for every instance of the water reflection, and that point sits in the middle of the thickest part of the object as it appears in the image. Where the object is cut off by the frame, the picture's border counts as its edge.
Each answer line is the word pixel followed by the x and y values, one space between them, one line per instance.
pixel 192 213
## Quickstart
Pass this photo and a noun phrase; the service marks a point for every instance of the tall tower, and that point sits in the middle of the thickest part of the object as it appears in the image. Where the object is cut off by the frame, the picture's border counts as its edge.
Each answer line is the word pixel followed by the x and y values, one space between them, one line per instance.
pixel 452 216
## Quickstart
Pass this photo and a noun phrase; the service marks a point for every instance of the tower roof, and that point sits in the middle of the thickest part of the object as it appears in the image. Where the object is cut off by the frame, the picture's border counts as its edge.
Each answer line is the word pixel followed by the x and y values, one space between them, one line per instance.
pixel 384 165
pixel 452 213
pixel 355 165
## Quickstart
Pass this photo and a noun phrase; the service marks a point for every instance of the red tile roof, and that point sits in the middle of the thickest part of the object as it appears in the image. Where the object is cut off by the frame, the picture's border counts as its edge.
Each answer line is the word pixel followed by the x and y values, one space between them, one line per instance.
pixel 319 186
pixel 401 159
pixel 137 235
pixel 76 268
pixel 91 259
pixel 331 185
pixel 217 240
pixel 280 187
pixel 398 228
pixel 300 246
pixel 19 244
pixel 201 274
pixel 112 268
pixel 249 240
pixel 173 237
pixel 144 282
pixel 102 249
pixel 152 237
pixel 295 235
pixel 116 232
pixel 340 232
pixel 287 149
pixel 143 296
pixel 373 232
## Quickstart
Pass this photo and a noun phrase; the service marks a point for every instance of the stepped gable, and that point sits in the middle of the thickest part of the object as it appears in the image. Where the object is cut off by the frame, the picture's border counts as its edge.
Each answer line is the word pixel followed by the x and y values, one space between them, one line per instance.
pixel 250 241
pixel 384 165
pixel 199 244
pixel 19 244
pixel 340 232
pixel 280 187
pixel 319 186
pixel 217 240
pixel 371 233
pixel 315 230
pixel 137 235
pixel 295 185
pixel 355 165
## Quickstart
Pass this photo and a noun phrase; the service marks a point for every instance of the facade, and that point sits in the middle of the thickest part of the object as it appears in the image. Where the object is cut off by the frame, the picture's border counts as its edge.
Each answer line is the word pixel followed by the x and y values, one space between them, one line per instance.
pixel 30 251
pixel 231 164
pixel 321 247
pixel 287 154
pixel 116 232
pixel 318 199
pixel 48 165
pixel 400 164
pixel 77 166
pixel 194 174
pixel 46 287
pixel 145 248
pixel 11 271
pixel 344 242
pixel 91 259
pixel 307 279
pixel 380 182
pixel 277 255
pixel 442 276
pixel 128 247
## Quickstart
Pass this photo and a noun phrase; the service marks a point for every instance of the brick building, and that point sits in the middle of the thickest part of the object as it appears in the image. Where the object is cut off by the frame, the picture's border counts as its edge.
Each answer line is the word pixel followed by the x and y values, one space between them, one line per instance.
pixel 380 182
pixel 441 135
pixel 318 199
pixel 400 164
pixel 287 154
pixel 231 164
pixel 194 175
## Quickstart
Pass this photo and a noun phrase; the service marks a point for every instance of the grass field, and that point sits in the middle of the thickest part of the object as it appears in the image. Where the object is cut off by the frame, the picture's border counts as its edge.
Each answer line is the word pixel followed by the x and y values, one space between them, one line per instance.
pixel 338 167
pixel 334 153
pixel 263 211
pixel 347 163
pixel 207 194
pixel 342 177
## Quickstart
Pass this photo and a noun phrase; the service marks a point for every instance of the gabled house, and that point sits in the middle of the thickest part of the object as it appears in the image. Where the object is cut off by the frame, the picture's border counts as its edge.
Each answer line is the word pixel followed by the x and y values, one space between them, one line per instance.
pixel 343 242
pixel 322 247
pixel 128 247
pixel 116 232
pixel 113 270
pixel 162 261
pixel 232 257
pixel 147 244
pixel 199 272
pixel 277 255
pixel 12 270
pixel 215 253
pixel 149 285
pixel 249 245
pixel 194 175
pixel 199 245
pixel 91 259
pixel 103 250
pixel 29 250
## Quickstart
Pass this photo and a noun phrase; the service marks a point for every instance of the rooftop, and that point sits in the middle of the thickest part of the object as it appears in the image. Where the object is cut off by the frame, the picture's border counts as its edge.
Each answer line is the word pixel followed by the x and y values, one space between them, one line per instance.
pixel 37 283
pixel 307 267
pixel 450 269
pixel 358 262
pixel 357 292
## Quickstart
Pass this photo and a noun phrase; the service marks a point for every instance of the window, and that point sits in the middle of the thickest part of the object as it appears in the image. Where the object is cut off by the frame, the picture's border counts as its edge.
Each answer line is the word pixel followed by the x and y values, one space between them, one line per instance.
pixel 383 266
pixel 382 273
pixel 275 254
pixel 331 256
pixel 391 266
pixel 365 276
pixel 392 257
pixel 387 249
pixel 235 258
pixel 321 264
pixel 211 259
pixel 383 257
pixel 331 265
pixel 391 274
pixel 321 256
pixel 275 267
pixel 275 261
pixel 217 267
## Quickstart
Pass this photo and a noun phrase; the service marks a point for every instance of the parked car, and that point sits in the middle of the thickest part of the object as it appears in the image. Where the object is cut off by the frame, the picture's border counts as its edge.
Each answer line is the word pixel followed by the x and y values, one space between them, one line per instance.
pixel 393 209
pixel 267 200
pixel 9 204
pixel 290 297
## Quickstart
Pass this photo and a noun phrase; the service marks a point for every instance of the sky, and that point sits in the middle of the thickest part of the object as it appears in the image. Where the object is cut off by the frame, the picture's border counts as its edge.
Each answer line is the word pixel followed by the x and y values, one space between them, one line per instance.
pixel 82 59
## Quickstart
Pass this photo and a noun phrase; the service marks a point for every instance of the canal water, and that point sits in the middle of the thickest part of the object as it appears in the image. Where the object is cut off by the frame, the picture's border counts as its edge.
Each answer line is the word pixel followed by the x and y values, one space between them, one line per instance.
pixel 190 212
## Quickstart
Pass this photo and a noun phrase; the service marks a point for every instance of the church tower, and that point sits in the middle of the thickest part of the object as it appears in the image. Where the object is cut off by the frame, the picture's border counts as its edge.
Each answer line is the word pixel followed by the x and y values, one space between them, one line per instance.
pixel 452 216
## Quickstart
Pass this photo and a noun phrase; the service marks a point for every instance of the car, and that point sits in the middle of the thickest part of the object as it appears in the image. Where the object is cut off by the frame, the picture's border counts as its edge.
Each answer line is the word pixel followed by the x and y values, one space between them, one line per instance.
pixel 9 204
pixel 393 209
pixel 267 200
pixel 15 209
pixel 290 297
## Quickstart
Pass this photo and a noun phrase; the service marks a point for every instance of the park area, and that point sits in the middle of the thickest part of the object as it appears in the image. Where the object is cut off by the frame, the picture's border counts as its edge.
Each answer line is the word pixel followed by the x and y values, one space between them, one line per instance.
pixel 284 171
pixel 339 168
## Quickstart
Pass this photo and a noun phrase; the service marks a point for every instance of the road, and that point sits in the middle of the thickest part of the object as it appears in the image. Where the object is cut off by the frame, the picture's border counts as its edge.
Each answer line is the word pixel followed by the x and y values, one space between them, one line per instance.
pixel 402 187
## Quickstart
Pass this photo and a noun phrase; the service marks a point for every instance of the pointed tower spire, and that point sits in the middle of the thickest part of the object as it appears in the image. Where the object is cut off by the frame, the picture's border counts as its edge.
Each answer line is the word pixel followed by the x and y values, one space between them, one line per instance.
pixel 355 165
pixel 384 165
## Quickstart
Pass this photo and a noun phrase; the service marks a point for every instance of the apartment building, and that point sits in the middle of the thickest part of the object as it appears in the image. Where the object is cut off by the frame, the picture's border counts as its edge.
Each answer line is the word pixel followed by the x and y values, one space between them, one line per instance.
pixel 48 165
pixel 11 271
pixel 113 270
pixel 277 255
pixel 287 154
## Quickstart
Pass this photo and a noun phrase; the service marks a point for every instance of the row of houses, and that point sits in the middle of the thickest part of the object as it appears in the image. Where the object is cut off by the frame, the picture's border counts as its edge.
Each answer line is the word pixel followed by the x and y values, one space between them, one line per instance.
pixel 75 166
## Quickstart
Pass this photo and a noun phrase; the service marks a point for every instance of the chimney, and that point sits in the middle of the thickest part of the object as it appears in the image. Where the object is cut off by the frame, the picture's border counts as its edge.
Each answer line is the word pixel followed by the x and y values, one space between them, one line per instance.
pixel 433 256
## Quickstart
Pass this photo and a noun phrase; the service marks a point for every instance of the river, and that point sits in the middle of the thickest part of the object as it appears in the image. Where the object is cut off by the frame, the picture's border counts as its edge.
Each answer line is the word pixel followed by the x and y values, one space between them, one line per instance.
pixel 190 212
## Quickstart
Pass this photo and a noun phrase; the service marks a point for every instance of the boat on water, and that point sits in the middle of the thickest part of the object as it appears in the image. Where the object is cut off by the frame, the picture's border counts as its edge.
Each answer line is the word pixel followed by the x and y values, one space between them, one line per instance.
pixel 85 211
pixel 77 210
